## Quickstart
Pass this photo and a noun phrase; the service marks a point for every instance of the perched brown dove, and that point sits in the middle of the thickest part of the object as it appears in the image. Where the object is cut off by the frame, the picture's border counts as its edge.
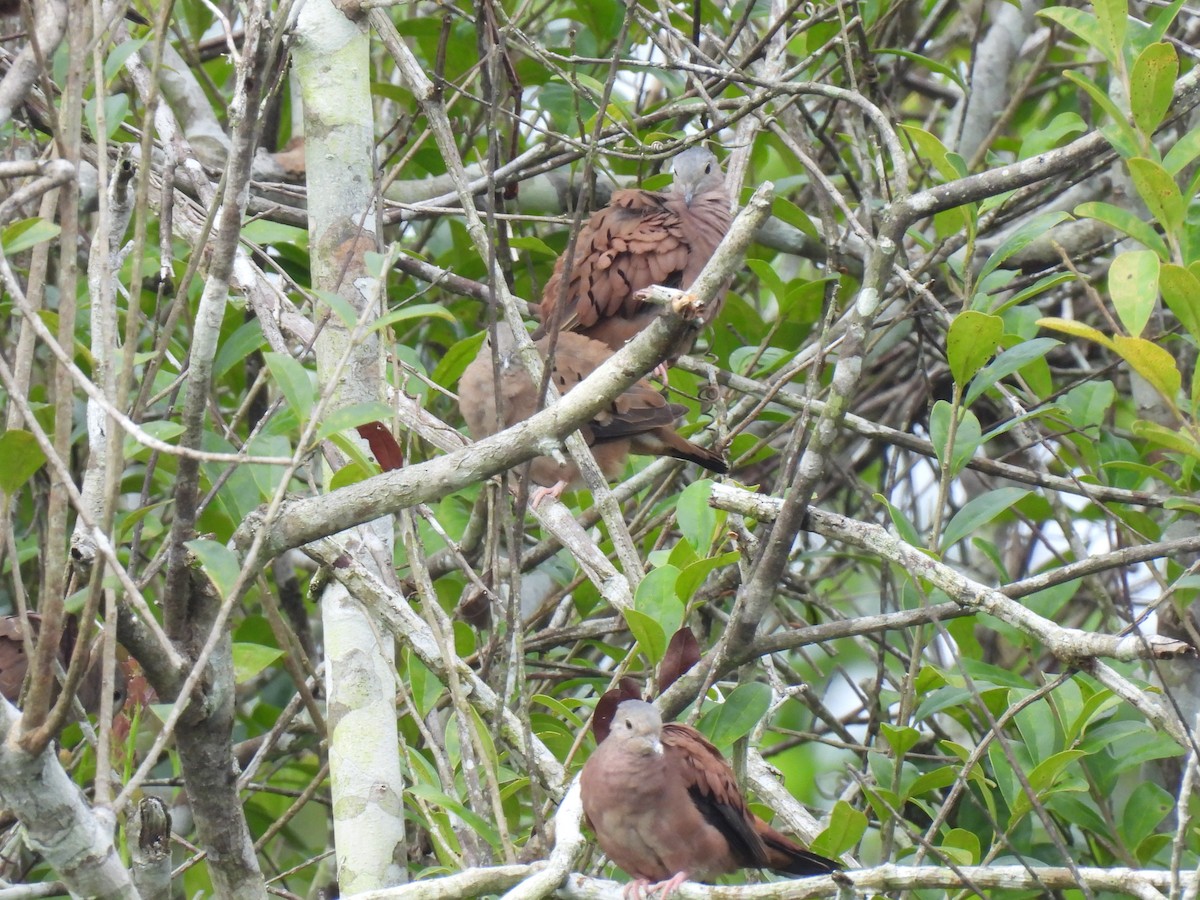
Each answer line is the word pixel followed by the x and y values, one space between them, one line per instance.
pixel 14 663
pixel 665 808
pixel 641 238
pixel 638 421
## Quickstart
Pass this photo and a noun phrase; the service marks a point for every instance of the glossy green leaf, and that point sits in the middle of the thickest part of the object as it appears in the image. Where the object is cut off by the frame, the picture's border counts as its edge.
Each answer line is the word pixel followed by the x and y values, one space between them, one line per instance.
pixel 846 827
pixel 1181 292
pixel 237 347
pixel 1144 811
pixel 1183 152
pixel 900 738
pixel 736 717
pixel 1008 362
pixel 979 511
pixel 694 575
pixel 250 659
pixel 20 458
pixel 1033 229
pixel 219 563
pixel 1127 223
pixel 294 381
pixel 1117 131
pixel 1173 439
pixel 967 437
pixel 697 519
pixel 348 417
pixel 1112 16
pixel 947 164
pixel 652 640
pixel 1133 285
pixel 971 342
pixel 1159 192
pixel 1152 85
pixel 26 233
pixel 1076 329
pixel 1152 362
pixel 1087 405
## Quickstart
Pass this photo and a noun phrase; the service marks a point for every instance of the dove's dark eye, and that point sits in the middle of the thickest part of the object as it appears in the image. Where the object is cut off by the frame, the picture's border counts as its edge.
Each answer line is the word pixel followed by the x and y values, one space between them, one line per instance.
pixel 708 169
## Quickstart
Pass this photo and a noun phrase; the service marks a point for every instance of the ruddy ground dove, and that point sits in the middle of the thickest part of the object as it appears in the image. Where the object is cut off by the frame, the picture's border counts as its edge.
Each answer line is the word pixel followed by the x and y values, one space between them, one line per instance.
pixel 641 238
pixel 666 808
pixel 638 421
pixel 14 663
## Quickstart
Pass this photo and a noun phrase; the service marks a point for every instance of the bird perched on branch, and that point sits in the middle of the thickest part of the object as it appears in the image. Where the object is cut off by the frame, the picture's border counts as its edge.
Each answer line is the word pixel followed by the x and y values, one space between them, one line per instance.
pixel 665 808
pixel 14 662
pixel 638 421
pixel 641 238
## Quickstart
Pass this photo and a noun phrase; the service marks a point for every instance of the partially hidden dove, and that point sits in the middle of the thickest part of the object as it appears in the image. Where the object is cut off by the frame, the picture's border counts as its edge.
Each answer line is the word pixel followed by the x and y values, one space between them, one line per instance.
pixel 641 238
pixel 638 421
pixel 666 808
pixel 14 663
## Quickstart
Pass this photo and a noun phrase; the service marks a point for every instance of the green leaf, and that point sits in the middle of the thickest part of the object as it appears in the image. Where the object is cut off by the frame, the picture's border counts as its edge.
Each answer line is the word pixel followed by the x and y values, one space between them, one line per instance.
pixel 1152 362
pixel 697 519
pixel 769 277
pixel 904 528
pixel 1127 223
pixel 966 440
pixel 741 711
pixel 1024 236
pixel 697 573
pixel 533 245
pixel 936 780
pixel 948 72
pixel 1181 292
pixel 26 233
pixel 1133 284
pixel 1047 138
pixel 1119 133
pixel 1087 404
pixel 1183 152
pixel 413 311
pixel 1172 439
pixel 1146 807
pixel 965 842
pixel 20 457
pixel 846 827
pixel 1078 22
pixel 339 306
pixel 250 659
pixel 657 599
pixel 1113 16
pixel 651 638
pixel 477 823
pixel 234 349
pixel 1006 363
pixel 1159 191
pixel 900 738
pixel 979 511
pixel 1152 86
pixel 349 417
pixel 1076 329
pixel 787 211
pixel 293 380
pixel 949 165
pixel 219 563
pixel 1044 779
pixel 971 342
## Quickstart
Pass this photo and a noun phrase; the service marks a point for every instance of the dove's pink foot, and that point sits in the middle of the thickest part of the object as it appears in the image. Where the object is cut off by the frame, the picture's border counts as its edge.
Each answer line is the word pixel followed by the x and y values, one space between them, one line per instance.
pixel 542 493
pixel 633 890
pixel 665 889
